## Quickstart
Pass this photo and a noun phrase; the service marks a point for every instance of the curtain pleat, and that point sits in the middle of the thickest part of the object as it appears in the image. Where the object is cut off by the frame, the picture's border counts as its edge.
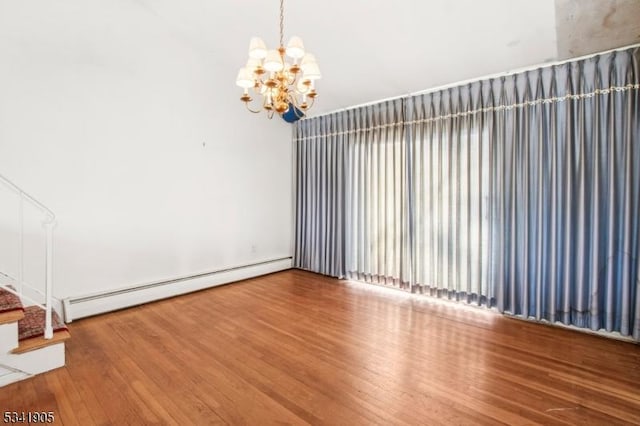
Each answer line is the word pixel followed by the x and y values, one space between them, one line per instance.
pixel 520 192
pixel 451 187
pixel 376 198
pixel 320 199
pixel 567 195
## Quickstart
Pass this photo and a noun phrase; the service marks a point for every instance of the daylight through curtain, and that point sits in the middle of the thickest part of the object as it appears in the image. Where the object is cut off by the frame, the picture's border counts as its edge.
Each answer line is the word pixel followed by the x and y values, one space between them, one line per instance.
pixel 451 195
pixel 520 192
pixel 376 195
pixel 350 176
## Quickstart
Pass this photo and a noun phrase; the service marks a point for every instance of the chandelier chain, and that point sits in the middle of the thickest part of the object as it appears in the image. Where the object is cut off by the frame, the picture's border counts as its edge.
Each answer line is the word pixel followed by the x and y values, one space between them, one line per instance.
pixel 281 23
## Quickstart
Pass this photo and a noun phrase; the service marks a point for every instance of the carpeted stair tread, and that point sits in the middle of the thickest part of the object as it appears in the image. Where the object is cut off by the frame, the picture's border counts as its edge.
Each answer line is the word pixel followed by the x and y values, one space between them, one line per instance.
pixel 9 301
pixel 11 308
pixel 31 330
pixel 32 325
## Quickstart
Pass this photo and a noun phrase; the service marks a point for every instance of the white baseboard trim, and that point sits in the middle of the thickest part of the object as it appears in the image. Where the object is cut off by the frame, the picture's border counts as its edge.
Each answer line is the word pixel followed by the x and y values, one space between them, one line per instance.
pixel 601 333
pixel 12 378
pixel 99 303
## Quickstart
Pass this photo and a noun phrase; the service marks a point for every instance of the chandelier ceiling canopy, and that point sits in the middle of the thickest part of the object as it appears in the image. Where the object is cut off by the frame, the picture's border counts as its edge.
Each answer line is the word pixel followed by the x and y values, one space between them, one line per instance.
pixel 283 79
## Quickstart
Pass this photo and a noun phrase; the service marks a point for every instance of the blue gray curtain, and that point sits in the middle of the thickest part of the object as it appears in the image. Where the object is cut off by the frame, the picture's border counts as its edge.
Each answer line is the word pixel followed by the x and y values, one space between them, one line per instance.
pixel 351 202
pixel 376 226
pixel 451 193
pixel 320 188
pixel 566 176
pixel 520 193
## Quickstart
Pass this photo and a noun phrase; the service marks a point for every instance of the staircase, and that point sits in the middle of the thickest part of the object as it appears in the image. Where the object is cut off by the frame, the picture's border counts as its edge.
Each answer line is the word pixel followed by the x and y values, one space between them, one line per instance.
pixel 24 351
pixel 32 335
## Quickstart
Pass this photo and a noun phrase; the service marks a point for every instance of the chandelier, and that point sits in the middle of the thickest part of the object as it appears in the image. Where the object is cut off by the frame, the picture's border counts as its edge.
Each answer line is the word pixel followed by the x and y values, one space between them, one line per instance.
pixel 284 87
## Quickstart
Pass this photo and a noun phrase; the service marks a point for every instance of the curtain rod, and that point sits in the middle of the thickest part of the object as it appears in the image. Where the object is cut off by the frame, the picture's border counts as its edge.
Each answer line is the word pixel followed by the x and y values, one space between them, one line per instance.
pixel 475 79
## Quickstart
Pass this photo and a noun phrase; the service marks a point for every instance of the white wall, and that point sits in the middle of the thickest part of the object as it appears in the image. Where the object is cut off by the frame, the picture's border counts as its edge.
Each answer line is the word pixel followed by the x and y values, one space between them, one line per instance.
pixel 136 138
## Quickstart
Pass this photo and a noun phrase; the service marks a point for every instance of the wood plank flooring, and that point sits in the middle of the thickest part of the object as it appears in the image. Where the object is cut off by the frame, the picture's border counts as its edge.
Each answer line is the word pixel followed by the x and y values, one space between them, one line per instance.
pixel 299 348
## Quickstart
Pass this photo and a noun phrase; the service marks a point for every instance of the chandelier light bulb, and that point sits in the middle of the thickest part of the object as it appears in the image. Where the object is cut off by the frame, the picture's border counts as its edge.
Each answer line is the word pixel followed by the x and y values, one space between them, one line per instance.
pixel 295 48
pixel 273 61
pixel 311 72
pixel 257 48
pixel 303 86
pixel 254 64
pixel 245 78
pixel 306 60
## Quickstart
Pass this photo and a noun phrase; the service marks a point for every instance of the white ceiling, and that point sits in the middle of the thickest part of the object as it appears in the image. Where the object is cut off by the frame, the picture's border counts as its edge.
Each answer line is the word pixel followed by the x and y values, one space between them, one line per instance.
pixel 369 50
pixel 586 26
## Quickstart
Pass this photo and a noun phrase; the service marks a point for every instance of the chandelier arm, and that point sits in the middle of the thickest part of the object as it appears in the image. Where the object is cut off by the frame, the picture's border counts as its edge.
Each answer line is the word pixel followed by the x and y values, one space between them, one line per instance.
pixel 295 112
pixel 296 107
pixel 302 92
pixel 313 101
pixel 293 99
pixel 260 83
pixel 292 79
pixel 251 110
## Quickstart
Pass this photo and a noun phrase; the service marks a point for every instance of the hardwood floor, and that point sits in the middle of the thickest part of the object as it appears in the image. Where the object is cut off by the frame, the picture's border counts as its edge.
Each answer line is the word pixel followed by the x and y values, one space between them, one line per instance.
pixel 297 348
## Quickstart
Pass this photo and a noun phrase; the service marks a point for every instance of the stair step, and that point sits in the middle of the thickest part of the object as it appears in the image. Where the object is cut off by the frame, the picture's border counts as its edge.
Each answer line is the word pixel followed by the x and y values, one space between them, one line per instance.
pixel 11 308
pixel 11 316
pixel 33 343
pixel 31 330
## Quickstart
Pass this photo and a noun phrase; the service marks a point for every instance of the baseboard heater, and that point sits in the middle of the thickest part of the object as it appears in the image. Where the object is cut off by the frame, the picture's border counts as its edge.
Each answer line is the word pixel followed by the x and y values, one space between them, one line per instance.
pixel 111 300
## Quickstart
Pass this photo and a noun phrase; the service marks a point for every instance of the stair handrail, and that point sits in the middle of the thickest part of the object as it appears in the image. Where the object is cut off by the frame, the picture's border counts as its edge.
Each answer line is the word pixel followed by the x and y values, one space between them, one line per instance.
pixel 48 224
pixel 28 197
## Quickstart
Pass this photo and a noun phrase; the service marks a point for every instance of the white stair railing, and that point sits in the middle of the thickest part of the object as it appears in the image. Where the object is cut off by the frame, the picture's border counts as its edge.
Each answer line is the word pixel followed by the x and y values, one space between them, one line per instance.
pixel 48 223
